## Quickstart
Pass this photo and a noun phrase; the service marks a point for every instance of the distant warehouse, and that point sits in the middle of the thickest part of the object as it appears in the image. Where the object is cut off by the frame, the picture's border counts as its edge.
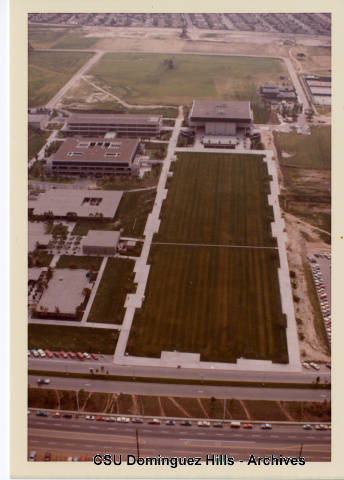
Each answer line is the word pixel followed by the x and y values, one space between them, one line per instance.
pixel 89 124
pixel 219 117
pixel 95 157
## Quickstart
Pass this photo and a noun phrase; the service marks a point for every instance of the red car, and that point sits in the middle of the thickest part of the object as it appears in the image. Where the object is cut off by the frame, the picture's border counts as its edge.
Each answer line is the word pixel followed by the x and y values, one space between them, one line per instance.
pixel 94 356
pixel 80 356
pixel 57 354
pixel 247 425
pixel 63 354
pixel 49 354
pixel 71 354
pixel 100 419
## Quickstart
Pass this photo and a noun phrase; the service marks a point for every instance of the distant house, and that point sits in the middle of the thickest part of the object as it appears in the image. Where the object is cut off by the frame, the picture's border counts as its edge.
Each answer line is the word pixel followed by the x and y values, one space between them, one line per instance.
pixel 219 117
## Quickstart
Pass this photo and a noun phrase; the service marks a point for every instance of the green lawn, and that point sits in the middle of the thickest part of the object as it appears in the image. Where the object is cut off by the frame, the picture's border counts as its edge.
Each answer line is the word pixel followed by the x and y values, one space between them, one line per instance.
pixel 116 283
pixel 307 151
pixel 142 78
pixel 49 71
pixel 75 339
pixel 83 262
pixel 217 199
pixel 131 215
pixel 223 303
pixel 36 141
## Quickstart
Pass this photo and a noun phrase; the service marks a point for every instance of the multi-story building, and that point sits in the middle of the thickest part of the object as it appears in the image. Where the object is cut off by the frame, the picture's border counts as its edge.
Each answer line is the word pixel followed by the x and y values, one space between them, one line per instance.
pixel 92 124
pixel 95 157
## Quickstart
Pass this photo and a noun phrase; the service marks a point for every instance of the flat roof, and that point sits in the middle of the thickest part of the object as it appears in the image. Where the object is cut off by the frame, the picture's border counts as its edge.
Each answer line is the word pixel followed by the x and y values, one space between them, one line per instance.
pixel 36 233
pixel 112 118
pixel 85 203
pixel 221 110
pixel 65 290
pixel 34 273
pixel 320 91
pixel 97 149
pixel 318 83
pixel 101 238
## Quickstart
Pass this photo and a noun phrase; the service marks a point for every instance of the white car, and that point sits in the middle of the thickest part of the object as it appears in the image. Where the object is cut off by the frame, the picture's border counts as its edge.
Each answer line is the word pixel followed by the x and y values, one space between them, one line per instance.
pixel 41 353
pixel 315 366
pixel 86 355
pixel 203 423
pixel 35 353
pixel 306 365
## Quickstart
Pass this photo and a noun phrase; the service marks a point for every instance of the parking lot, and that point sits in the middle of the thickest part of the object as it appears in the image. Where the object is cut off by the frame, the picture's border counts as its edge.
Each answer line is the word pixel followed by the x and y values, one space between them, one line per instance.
pixel 321 270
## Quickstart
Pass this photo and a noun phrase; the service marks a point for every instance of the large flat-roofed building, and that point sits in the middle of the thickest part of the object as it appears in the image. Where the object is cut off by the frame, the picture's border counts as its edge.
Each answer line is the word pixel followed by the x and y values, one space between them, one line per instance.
pixel 100 242
pixel 38 121
pixel 219 117
pixel 68 203
pixel 95 157
pixel 128 125
pixel 323 91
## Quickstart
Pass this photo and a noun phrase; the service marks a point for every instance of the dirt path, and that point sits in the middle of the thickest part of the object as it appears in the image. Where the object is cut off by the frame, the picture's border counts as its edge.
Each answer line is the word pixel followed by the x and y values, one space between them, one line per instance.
pixel 122 102
pixel 285 411
pixel 309 225
pixel 202 408
pixel 247 413
pixel 161 408
pixel 136 407
pixel 177 405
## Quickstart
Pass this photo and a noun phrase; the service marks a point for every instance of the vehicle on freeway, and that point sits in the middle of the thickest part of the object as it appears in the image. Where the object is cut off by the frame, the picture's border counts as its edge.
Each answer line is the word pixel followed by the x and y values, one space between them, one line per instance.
pixel 266 426
pixel 154 421
pixel 307 427
pixel 320 427
pixel 41 413
pixel 43 381
pixel 49 354
pixel 56 354
pixel 69 459
pixel 170 422
pixel 67 415
pixel 90 417
pixel 218 424
pixel 71 354
pixel 32 456
pixel 100 418
pixel 94 356
pixel 186 423
pixel 63 354
pixel 247 425
pixel 203 423
pixel 56 414
pixel 235 424
pixel 47 457
pixel 41 353
pixel 86 355
pixel 80 355
pixel 35 353
pixel 137 420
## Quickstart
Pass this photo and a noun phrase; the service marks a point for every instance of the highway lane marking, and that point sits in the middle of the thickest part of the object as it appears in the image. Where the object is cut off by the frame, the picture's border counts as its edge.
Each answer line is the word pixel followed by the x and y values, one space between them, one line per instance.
pixel 98 437
pixel 219 434
pixel 57 424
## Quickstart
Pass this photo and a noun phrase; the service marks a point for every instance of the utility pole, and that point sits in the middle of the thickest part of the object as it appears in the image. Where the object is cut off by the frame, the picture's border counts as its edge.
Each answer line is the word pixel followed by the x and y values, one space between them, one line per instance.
pixel 301 447
pixel 137 443
pixel 224 408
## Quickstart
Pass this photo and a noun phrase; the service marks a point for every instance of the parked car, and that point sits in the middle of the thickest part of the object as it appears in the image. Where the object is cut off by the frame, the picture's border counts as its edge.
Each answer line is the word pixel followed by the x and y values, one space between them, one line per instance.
pixel 71 354
pixel 56 414
pixel 63 354
pixel 307 427
pixel 94 356
pixel 111 419
pixel 86 355
pixel 67 415
pixel 170 422
pixel 266 426
pixel 315 366
pixel 32 456
pixel 320 427
pixel 203 423
pixel 154 421
pixel 247 425
pixel 186 423
pixel 99 418
pixel 123 419
pixel 80 355
pixel 35 353
pixel 41 413
pixel 56 354
pixel 75 459
pixel 49 354
pixel 41 353
pixel 218 424
pixel 47 457
pixel 69 459
pixel 137 420
pixel 90 417
pixel 235 424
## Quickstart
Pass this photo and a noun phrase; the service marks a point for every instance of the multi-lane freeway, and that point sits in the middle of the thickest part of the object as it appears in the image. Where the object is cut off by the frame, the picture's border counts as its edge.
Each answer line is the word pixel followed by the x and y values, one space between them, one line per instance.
pixel 78 436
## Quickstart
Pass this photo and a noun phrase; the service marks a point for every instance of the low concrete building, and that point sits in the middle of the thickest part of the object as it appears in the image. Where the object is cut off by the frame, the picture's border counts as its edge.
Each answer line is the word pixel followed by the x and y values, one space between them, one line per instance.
pixel 95 157
pixel 100 242
pixel 68 204
pixel 128 125
pixel 34 274
pixel 37 236
pixel 38 121
pixel 219 117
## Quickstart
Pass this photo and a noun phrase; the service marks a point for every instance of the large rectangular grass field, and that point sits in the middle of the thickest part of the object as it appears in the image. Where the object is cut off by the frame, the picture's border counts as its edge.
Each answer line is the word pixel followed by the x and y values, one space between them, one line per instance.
pixel 223 303
pixel 218 199
pixel 167 79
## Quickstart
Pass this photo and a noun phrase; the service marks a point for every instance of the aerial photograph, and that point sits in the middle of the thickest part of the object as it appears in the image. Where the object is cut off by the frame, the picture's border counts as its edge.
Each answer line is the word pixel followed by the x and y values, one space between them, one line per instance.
pixel 179 238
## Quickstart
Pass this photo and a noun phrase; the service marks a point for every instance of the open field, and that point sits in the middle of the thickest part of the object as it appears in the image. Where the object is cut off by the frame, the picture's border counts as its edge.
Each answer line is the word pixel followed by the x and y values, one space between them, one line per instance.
pixel 217 199
pixel 223 313
pixel 75 339
pixel 131 215
pixel 79 261
pixel 36 140
pixel 126 404
pixel 307 151
pixel 49 37
pixel 49 71
pixel 116 283
pixel 147 79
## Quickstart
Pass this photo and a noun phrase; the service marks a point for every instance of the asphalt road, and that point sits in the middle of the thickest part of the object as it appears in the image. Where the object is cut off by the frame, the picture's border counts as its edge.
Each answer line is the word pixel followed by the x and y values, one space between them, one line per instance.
pixel 201 391
pixel 83 437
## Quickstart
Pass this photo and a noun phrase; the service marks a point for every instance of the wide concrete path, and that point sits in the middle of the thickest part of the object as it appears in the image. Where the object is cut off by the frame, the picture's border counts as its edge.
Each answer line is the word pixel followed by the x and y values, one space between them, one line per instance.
pixel 94 290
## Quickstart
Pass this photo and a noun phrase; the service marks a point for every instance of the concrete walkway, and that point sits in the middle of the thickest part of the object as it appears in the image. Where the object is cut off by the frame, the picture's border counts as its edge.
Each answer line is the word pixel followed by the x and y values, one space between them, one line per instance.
pixel 67 323
pixel 211 245
pixel 40 154
pixel 94 291
pixel 152 226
